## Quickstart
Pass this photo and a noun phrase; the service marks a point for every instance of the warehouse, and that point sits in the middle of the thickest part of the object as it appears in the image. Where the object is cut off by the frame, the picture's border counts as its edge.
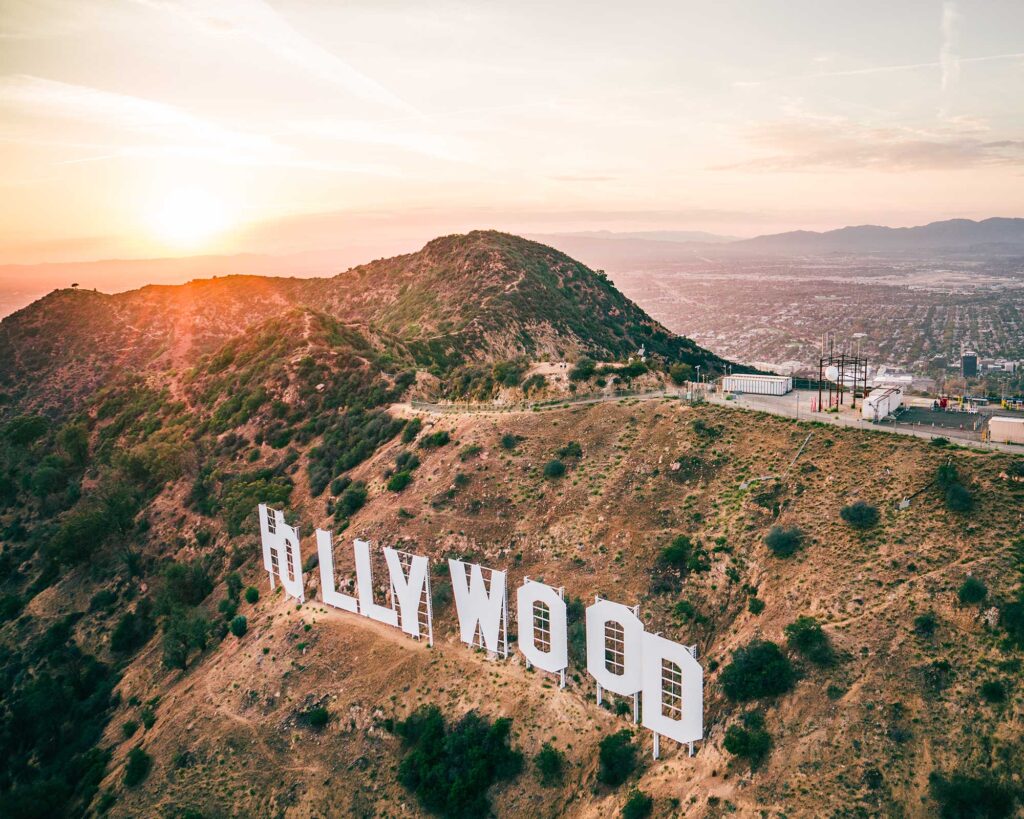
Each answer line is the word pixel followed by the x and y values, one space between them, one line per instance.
pixel 1006 429
pixel 758 384
pixel 881 403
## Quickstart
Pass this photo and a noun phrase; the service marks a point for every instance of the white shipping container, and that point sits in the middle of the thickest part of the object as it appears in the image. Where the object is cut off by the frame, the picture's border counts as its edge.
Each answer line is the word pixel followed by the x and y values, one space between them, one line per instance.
pixel 758 384
pixel 1006 429
pixel 881 403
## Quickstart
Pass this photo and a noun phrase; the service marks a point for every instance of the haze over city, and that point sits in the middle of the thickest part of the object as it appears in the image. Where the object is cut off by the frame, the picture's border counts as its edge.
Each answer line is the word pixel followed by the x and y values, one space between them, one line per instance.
pixel 178 127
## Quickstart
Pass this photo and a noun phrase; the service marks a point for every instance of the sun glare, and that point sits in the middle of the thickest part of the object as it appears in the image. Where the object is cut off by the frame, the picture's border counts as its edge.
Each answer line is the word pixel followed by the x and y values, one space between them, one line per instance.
pixel 188 217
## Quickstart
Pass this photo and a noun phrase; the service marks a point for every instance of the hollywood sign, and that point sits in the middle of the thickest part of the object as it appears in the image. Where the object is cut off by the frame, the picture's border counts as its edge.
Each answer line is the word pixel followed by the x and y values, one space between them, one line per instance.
pixel 622 656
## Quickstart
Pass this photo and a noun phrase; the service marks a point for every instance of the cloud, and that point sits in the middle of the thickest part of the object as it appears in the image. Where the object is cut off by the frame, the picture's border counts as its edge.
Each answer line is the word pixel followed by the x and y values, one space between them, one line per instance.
pixel 143 128
pixel 819 144
pixel 948 57
pixel 258 22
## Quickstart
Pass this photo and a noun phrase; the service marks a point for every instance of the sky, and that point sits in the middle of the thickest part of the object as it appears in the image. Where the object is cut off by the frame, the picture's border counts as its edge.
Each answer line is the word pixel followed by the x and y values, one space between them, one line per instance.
pixel 155 128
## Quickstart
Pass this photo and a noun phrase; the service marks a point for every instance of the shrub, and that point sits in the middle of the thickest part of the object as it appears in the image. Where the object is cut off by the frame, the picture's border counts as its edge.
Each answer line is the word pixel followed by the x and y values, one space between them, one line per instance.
pixel 316 717
pixel 959 499
pixel 184 585
pixel 806 636
pixel 148 717
pixel 677 554
pixel 554 469
pixel 239 626
pixel 411 430
pixel 509 441
pixel 860 515
pixel 228 607
pixel 571 450
pixel 972 590
pixel 252 594
pixel 469 451
pixel 398 481
pixel 993 691
pixel 129 727
pixel 435 439
pixel 638 806
pixel 939 442
pixel 451 768
pixel 757 670
pixel 1011 618
pixel 583 369
pixel 749 740
pixel 133 630
pixel 925 624
pixel 680 373
pixel 755 605
pixel 617 757
pixel 550 764
pixel 137 767
pixel 784 540
pixel 971 797
pixel 103 600
pixel 24 429
pixel 352 499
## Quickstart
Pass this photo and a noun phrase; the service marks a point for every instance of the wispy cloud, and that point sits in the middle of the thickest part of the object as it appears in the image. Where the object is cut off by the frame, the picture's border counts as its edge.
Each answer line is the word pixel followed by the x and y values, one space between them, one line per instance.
pixel 835 143
pixel 948 57
pixel 258 22
pixel 142 128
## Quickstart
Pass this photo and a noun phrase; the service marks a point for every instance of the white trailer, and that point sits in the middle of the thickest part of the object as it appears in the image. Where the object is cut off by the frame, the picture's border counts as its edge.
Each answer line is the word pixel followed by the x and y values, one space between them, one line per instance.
pixel 758 384
pixel 881 403
pixel 1006 429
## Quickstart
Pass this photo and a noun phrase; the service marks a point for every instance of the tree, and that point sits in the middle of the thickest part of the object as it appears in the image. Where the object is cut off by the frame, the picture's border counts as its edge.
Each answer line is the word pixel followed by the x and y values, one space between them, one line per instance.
pixel 757 670
pixel 583 369
pixel 252 594
pixel 638 806
pixel 24 429
pixel 411 430
pixel 316 717
pixel 137 767
pixel 554 469
pixel 74 440
pixel 550 764
pixel 134 629
pixel 677 554
pixel 509 441
pixel 972 590
pixel 749 740
pixel 860 515
pixel 925 624
pixel 451 768
pixel 617 758
pixel 239 626
pixel 680 373
pixel 972 797
pixel 784 540
pixel 959 499
pixel 806 636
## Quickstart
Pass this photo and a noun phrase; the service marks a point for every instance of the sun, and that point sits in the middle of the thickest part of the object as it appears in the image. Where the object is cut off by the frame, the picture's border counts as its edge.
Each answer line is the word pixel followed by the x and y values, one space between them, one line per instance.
pixel 188 218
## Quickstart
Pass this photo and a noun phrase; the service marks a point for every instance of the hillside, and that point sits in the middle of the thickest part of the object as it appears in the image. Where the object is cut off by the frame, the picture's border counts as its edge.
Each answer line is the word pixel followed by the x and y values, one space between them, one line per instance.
pixel 480 297
pixel 128 539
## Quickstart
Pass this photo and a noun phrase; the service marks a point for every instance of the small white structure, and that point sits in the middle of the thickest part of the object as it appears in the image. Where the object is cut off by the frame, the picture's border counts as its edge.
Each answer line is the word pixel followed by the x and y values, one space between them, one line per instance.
pixel 881 403
pixel 758 384
pixel 1006 429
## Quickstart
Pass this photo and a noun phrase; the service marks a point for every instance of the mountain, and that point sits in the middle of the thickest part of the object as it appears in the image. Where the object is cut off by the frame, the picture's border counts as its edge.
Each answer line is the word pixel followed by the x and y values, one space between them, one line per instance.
pixel 148 670
pixel 953 234
pixel 479 297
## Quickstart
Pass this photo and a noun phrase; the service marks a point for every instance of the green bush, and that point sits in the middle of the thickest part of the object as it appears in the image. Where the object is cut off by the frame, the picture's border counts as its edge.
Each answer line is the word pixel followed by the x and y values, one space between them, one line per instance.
pixel 993 691
pixel 925 624
pixel 24 429
pixel 617 758
pixel 550 764
pixel 784 540
pixel 680 373
pixel 411 430
pixel 755 605
pixel 959 499
pixel 571 450
pixel 351 500
pixel 451 768
pixel 860 515
pixel 806 636
pixel 252 594
pixel 972 590
pixel 133 629
pixel 435 439
pixel 316 717
pixel 137 767
pixel 677 554
pixel 757 670
pixel 509 441
pixel 148 717
pixel 583 369
pixel 129 728
pixel 638 806
pixel 239 626
pixel 554 469
pixel 749 740
pixel 1011 618
pixel 398 481
pixel 972 797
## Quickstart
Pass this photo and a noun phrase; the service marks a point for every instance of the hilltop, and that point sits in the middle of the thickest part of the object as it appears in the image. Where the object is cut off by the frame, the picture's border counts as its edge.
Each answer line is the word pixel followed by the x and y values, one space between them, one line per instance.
pixel 141 430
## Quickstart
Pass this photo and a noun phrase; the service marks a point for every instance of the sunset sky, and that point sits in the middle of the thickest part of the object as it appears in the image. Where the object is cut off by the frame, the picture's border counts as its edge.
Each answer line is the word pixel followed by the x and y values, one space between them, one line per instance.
pixel 179 127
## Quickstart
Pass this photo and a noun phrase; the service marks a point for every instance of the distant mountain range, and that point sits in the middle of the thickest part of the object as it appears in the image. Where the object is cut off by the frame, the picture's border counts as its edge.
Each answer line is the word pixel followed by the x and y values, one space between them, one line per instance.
pixel 952 234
